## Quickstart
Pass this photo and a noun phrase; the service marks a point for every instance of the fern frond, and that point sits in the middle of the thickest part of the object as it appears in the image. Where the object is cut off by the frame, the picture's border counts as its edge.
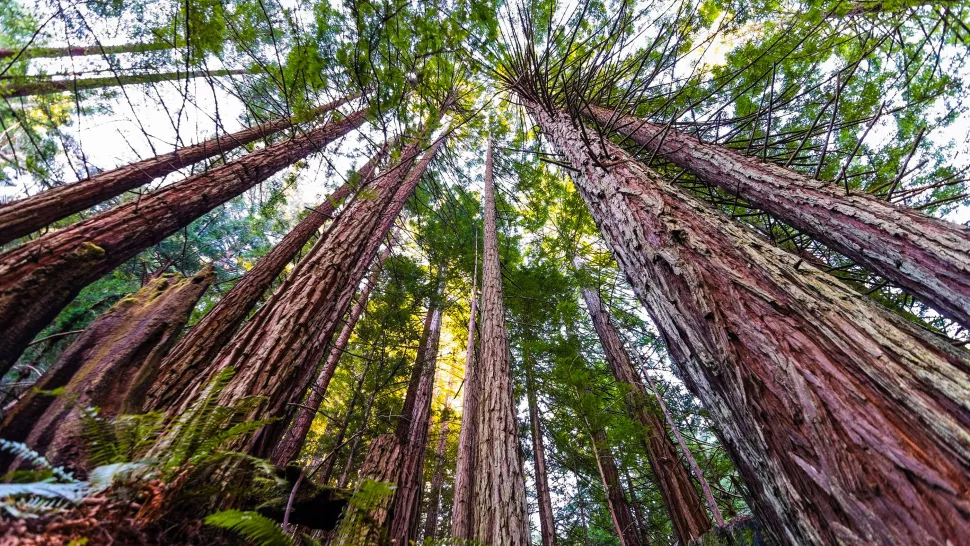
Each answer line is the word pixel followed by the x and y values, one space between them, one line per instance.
pixel 23 452
pixel 255 528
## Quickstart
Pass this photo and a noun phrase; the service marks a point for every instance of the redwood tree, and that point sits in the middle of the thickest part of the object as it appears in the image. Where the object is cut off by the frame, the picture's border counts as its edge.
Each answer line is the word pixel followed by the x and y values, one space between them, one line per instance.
pixel 41 277
pixel 547 524
pixel 463 502
pixel 12 89
pixel 500 511
pixel 849 424
pixel 620 511
pixel 437 481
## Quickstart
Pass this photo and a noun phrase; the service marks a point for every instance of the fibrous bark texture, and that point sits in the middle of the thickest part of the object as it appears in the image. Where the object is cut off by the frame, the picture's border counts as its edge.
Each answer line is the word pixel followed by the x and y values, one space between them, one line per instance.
pixel 289 448
pixel 500 510
pixel 41 277
pixel 199 347
pixel 626 527
pixel 681 499
pixel 363 522
pixel 463 502
pixel 412 432
pixel 438 480
pixel 107 367
pixel 46 87
pixel 547 525
pixel 926 256
pixel 25 216
pixel 849 425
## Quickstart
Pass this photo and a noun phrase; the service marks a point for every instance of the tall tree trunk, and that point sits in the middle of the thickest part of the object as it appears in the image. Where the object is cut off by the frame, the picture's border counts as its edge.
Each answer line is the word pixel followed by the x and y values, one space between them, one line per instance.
pixel 642 524
pixel 626 527
pixel 500 510
pixel 326 471
pixel 547 524
pixel 15 89
pixel 364 521
pixel 54 52
pixel 40 278
pixel 106 367
pixel 412 432
pixel 28 215
pixel 849 424
pixel 928 257
pixel 434 499
pixel 462 513
pixel 289 447
pixel 681 499
pixel 198 349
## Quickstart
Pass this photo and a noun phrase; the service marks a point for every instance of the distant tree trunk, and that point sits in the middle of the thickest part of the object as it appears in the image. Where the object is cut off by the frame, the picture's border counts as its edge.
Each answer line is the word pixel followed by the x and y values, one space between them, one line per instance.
pixel 462 513
pixel 48 87
pixel 849 424
pixel 40 278
pixel 364 521
pixel 500 510
pixel 19 218
pixel 642 524
pixel 198 349
pixel 681 499
pixel 289 447
pixel 626 527
pixel 53 52
pixel 926 256
pixel 105 367
pixel 412 432
pixel 326 471
pixel 438 480
pixel 547 523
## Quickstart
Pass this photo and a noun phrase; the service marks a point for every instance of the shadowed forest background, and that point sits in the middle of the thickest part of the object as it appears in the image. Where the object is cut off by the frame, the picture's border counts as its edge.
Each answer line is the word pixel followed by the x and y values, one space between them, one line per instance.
pixel 294 272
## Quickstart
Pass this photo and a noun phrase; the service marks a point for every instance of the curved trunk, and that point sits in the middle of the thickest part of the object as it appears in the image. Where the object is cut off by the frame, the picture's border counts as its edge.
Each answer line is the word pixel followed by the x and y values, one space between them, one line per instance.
pixel 19 218
pixel 848 424
pixel 500 517
pixel 40 278
pixel 928 257
pixel 464 498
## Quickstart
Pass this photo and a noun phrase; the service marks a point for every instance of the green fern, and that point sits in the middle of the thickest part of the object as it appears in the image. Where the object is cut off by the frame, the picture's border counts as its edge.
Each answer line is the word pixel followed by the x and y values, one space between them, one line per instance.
pixel 31 457
pixel 252 526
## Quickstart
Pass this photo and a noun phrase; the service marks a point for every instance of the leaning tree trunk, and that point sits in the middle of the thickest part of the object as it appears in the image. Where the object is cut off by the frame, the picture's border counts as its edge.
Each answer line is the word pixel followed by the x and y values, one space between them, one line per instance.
pixel 463 502
pixel 26 216
pixel 681 499
pixel 82 51
pixel 199 347
pixel 622 514
pixel 363 523
pixel 849 424
pixel 40 278
pixel 500 517
pixel 547 524
pixel 106 367
pixel 289 448
pixel 438 480
pixel 15 89
pixel 412 433
pixel 926 256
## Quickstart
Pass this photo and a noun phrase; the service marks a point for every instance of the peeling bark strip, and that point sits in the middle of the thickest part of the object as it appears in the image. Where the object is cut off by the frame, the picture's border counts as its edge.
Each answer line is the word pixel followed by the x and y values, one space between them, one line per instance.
pixel 28 215
pixel 363 522
pixel 41 277
pixel 928 257
pixel 12 89
pixel 108 366
pixel 849 425
pixel 412 433
pixel 678 493
pixel 199 347
pixel 626 527
pixel 289 448
pixel 500 511
pixel 547 524
pixel 464 498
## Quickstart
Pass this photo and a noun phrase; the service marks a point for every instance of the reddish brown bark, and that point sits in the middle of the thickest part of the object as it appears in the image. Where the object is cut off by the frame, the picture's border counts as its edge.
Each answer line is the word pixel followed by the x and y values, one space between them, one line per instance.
pixel 41 277
pixel 28 215
pixel 849 425
pixel 12 89
pixel 547 525
pixel 412 432
pixel 926 256
pixel 500 511
pixel 626 526
pixel 464 497
pixel 438 480
pixel 199 347
pixel 289 447
pixel 680 498
pixel 106 367
pixel 363 524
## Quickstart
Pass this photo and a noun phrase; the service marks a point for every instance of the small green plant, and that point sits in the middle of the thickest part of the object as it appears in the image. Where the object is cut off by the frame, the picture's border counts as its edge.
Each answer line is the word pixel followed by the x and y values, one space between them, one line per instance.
pixel 252 526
